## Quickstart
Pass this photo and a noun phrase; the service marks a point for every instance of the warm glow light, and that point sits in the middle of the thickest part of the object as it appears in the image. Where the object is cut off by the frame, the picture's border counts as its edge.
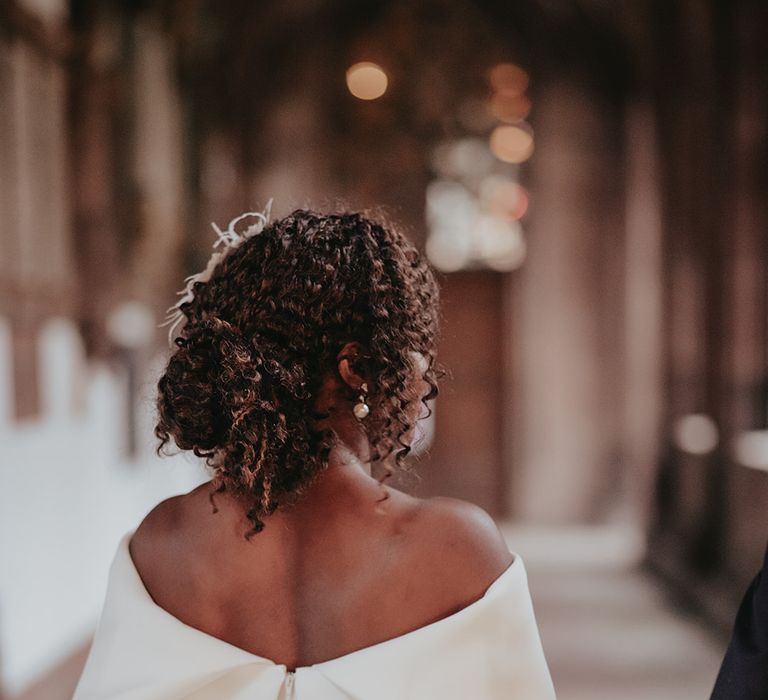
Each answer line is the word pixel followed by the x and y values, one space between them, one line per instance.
pixel 509 79
pixel 512 144
pixel 517 208
pixel 503 198
pixel 510 108
pixel 366 81
pixel 696 434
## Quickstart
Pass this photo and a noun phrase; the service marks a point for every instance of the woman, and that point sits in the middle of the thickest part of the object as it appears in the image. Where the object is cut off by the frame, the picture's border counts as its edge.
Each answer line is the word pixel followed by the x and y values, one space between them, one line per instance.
pixel 307 356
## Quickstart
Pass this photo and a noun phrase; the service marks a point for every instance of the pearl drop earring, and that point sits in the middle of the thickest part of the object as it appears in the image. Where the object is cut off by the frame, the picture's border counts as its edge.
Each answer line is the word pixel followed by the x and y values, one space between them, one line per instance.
pixel 361 409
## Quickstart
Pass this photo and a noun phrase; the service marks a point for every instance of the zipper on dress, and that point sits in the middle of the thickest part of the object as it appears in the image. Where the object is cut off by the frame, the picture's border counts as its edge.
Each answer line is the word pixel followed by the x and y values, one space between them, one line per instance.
pixel 290 679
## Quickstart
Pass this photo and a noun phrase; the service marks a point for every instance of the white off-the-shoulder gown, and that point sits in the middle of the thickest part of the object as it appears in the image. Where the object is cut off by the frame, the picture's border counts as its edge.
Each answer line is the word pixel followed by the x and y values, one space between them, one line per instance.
pixel 488 650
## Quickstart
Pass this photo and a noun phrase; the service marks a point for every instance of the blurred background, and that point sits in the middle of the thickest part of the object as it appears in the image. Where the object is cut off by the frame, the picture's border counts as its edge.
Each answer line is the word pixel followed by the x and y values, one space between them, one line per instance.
pixel 587 176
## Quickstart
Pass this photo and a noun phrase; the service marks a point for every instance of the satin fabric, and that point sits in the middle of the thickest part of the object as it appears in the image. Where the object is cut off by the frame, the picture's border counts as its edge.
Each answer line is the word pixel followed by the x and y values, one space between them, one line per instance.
pixel 489 649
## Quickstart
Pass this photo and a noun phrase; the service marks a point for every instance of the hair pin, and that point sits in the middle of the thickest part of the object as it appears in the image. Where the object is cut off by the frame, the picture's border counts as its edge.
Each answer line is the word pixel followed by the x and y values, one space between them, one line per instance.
pixel 231 239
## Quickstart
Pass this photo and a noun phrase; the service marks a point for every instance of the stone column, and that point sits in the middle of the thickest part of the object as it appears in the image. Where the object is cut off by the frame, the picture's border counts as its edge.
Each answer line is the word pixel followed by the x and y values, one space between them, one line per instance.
pixel 566 338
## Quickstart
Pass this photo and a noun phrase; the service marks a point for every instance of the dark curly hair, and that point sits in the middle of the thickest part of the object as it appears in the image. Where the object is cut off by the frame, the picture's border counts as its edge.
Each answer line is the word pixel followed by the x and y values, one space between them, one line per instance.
pixel 267 327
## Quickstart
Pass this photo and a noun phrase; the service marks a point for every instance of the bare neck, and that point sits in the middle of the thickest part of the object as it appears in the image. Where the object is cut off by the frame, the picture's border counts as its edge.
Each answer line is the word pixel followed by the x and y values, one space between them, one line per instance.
pixel 344 488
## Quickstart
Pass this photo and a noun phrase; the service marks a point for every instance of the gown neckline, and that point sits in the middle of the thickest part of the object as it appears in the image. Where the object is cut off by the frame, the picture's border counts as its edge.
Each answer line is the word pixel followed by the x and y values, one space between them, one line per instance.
pixel 514 568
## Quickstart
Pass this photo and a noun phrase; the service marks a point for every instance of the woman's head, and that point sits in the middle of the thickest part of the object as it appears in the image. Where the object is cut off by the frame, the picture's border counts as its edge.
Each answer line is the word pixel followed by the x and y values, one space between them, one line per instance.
pixel 313 304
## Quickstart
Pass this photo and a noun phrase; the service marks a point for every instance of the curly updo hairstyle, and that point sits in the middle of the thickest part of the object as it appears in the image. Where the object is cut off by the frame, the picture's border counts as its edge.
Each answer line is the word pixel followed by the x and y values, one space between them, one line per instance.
pixel 261 334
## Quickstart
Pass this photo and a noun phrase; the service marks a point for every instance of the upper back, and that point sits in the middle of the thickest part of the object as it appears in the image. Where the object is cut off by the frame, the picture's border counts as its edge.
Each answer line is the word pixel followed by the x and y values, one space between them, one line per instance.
pixel 324 578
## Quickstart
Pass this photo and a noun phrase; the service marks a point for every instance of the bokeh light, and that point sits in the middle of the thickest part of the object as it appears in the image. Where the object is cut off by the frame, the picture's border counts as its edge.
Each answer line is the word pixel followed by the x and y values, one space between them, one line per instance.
pixel 131 325
pixel 463 159
pixel 696 434
pixel 509 79
pixel 449 253
pixel 504 198
pixel 510 108
pixel 499 244
pixel 750 449
pixel 367 81
pixel 512 143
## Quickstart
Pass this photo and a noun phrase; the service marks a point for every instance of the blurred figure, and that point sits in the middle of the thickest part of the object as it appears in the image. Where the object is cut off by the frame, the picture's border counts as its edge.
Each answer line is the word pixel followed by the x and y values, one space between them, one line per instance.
pixel 744 673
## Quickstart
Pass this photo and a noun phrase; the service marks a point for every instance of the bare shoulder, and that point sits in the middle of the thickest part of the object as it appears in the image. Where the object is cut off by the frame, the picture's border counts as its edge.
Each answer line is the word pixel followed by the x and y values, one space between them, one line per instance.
pixel 465 537
pixel 154 537
pixel 158 520
pixel 168 515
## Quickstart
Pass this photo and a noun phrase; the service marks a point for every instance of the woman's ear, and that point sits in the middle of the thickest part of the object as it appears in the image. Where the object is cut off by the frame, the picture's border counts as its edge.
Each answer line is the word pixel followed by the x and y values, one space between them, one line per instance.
pixel 349 362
